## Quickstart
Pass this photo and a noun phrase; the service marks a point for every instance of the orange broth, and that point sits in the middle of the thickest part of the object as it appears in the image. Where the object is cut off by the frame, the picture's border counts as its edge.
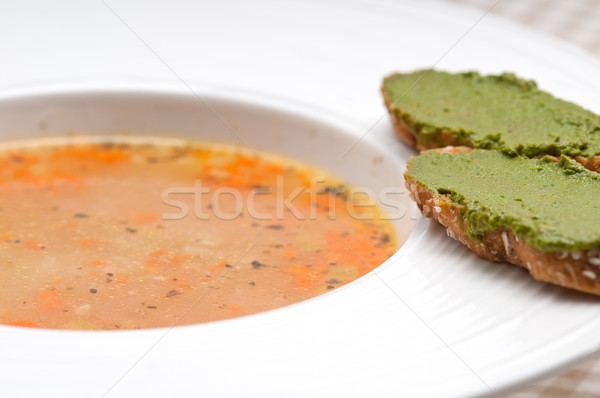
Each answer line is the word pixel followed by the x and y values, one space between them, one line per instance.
pixel 129 233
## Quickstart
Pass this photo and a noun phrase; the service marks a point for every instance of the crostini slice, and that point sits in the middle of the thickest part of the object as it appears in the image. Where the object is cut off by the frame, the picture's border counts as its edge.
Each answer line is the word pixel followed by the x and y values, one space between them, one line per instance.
pixel 433 109
pixel 541 214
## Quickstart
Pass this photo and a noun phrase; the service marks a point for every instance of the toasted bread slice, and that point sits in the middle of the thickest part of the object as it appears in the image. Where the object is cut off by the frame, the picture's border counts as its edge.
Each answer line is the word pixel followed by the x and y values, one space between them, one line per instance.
pixel 433 109
pixel 539 214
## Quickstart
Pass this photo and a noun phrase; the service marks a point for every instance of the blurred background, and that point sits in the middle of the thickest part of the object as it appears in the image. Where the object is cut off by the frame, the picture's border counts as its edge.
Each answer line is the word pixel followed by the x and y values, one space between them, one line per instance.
pixel 576 21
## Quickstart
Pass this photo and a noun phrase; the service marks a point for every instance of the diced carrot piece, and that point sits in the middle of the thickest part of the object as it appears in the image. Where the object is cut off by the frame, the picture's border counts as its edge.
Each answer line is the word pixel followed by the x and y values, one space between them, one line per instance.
pixel 99 262
pixel 155 262
pixel 33 245
pixel 24 323
pixel 218 267
pixel 158 253
pixel 180 258
pixel 88 242
pixel 145 218
pixel 111 156
pixel 91 153
pixel 303 276
pixel 274 169
pixel 50 299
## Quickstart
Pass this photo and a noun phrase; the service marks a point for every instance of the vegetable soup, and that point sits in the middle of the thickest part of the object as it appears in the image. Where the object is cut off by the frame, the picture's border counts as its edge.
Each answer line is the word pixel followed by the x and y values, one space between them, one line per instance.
pixel 127 232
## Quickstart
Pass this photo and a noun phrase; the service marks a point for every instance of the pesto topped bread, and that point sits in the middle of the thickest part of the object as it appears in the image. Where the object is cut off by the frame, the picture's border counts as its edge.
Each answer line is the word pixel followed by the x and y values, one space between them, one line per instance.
pixel 540 214
pixel 433 109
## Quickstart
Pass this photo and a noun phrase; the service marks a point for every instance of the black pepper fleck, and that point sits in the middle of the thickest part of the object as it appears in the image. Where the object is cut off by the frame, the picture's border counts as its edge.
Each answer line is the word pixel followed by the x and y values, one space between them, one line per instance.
pixel 257 264
pixel 94 291
pixel 383 240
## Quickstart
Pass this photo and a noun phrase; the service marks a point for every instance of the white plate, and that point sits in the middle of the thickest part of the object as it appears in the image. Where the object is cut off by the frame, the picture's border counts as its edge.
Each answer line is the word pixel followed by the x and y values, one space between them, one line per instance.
pixel 434 321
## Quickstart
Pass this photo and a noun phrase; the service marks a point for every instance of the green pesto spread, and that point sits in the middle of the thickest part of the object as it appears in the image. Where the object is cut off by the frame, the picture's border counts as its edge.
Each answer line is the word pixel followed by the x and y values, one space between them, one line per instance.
pixel 553 206
pixel 492 112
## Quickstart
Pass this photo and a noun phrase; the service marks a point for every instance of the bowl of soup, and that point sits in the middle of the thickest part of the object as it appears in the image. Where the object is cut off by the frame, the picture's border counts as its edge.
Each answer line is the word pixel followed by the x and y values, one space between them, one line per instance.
pixel 154 236
pixel 135 208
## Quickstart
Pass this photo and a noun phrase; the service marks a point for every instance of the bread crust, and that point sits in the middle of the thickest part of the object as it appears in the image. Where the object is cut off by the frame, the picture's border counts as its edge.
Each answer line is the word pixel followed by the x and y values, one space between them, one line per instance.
pixel 592 163
pixel 578 270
